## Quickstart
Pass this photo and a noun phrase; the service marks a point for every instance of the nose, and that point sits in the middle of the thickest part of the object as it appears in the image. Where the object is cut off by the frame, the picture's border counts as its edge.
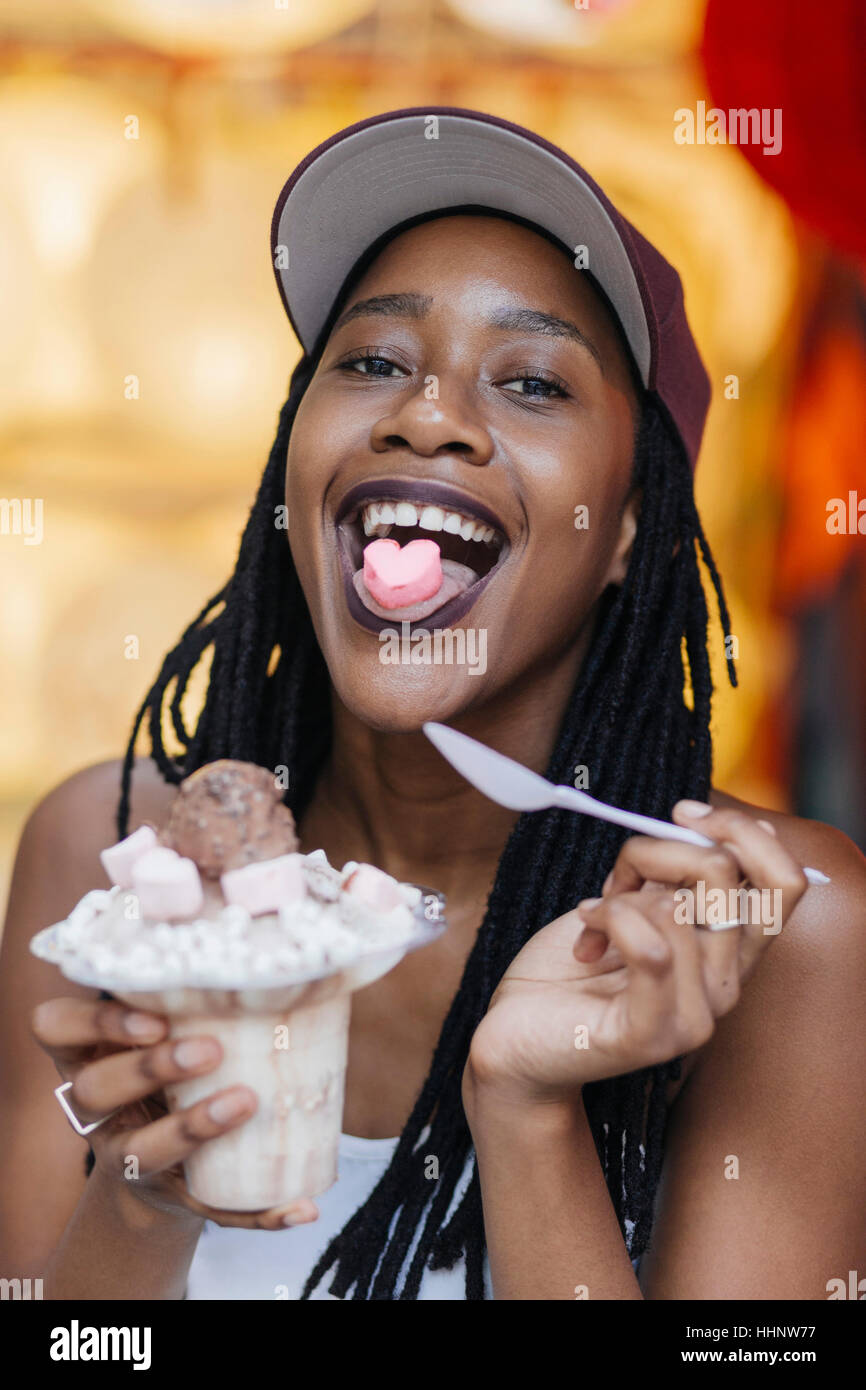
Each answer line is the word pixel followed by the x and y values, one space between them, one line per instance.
pixel 429 426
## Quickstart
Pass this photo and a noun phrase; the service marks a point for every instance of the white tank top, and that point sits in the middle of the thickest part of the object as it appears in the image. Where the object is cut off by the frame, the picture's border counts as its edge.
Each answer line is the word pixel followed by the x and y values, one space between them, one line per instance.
pixel 234 1263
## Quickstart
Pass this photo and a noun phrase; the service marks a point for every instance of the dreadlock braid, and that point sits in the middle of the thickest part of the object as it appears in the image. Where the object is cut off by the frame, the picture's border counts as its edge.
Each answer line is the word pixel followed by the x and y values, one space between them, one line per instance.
pixel 628 721
pixel 263 607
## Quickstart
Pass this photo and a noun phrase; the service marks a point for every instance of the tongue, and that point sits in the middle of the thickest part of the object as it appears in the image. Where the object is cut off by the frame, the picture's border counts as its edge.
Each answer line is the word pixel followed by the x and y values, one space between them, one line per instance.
pixel 409 583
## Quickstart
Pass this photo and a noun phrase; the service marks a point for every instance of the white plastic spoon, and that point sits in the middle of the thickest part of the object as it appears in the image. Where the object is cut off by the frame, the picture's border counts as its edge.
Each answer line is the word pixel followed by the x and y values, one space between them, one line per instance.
pixel 520 789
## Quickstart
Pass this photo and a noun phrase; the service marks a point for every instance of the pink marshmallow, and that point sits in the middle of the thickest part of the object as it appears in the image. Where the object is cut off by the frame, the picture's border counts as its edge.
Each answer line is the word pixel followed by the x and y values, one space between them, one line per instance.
pixel 167 885
pixel 265 885
pixel 397 577
pixel 119 859
pixel 374 888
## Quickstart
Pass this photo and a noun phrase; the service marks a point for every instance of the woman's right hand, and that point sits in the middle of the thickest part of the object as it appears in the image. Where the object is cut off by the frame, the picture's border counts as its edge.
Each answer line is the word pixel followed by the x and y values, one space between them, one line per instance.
pixel 119 1059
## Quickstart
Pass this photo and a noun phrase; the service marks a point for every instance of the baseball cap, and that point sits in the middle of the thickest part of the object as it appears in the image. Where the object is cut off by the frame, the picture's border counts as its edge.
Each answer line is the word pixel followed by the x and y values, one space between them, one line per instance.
pixel 355 187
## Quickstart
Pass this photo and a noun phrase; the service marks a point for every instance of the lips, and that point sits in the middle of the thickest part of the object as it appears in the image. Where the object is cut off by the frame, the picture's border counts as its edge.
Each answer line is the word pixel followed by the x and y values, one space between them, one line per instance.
pixel 472 540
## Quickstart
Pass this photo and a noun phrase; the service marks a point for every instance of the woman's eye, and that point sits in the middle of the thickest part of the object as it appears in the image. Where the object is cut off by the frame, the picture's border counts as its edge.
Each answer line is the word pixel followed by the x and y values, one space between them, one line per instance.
pixel 537 388
pixel 372 365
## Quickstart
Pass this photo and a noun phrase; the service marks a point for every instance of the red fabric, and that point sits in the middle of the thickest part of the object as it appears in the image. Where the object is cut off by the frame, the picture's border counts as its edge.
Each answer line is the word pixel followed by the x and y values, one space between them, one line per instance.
pixel 809 61
pixel 822 458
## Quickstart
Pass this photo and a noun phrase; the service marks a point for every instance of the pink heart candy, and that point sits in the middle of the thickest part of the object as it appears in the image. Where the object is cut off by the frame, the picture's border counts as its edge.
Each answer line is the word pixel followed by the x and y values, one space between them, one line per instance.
pixel 397 577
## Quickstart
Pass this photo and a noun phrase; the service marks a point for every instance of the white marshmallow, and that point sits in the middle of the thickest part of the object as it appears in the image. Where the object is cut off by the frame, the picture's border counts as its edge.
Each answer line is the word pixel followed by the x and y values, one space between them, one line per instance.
pixel 119 859
pixel 263 886
pixel 167 885
pixel 373 887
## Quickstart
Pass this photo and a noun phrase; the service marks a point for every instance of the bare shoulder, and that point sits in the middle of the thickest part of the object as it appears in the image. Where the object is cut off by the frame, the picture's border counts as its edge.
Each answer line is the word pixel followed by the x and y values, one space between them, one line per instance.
pixel 57 861
pixel 777 1087
pixel 802 837
pixel 813 969
pixel 91 796
pixel 829 918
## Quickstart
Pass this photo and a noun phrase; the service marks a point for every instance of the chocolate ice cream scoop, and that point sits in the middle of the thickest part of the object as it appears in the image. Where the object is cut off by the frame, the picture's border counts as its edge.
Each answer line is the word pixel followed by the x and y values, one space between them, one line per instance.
pixel 228 814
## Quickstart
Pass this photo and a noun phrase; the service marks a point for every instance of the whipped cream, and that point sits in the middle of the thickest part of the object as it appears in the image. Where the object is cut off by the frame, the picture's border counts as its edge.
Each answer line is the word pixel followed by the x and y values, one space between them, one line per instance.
pixel 328 929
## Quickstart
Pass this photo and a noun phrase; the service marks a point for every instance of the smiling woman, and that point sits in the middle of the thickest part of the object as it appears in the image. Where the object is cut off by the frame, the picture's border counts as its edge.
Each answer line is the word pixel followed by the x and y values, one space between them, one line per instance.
pixel 517 1120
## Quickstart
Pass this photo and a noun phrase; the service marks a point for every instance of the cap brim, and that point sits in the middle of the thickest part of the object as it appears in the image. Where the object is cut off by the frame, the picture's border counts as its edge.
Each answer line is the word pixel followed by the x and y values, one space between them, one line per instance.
pixel 357 186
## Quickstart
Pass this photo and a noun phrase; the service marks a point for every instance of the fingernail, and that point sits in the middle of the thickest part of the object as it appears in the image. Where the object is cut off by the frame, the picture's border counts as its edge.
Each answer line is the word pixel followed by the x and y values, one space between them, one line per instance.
pixel 296 1216
pixel 229 1107
pixel 768 826
pixel 587 904
pixel 588 940
pixel 693 808
pixel 608 881
pixel 142 1025
pixel 193 1051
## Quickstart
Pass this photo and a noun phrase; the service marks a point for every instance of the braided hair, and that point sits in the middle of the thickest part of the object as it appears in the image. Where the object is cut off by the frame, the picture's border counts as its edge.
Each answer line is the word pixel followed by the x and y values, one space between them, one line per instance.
pixel 638 719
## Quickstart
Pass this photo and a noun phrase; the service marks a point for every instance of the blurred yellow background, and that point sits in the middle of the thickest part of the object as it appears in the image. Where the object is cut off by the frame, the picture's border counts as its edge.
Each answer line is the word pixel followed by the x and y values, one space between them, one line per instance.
pixel 144 351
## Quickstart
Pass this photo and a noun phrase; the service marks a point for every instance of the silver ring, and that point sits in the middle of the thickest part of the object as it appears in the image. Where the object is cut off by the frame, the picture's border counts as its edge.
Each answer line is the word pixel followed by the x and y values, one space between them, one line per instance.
pixel 719 926
pixel 71 1115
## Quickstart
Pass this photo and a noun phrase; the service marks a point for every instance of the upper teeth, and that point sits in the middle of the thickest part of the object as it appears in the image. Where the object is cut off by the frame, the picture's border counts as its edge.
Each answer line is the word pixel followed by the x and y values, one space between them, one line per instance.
pixel 379 517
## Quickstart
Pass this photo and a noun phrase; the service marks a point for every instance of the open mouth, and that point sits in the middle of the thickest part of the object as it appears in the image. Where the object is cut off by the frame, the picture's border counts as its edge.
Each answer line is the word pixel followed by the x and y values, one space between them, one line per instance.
pixel 472 545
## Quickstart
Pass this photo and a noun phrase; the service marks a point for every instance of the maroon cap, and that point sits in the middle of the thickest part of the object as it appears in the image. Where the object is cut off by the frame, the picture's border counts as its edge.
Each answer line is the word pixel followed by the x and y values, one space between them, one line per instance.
pixel 375 175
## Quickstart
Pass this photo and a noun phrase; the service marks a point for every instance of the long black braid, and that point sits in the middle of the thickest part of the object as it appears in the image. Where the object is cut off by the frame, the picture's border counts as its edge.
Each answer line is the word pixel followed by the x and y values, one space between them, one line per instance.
pixel 629 721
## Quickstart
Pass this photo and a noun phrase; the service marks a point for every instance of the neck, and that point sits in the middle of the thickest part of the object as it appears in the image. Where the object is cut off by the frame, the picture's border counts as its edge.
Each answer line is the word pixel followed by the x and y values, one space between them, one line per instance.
pixel 392 800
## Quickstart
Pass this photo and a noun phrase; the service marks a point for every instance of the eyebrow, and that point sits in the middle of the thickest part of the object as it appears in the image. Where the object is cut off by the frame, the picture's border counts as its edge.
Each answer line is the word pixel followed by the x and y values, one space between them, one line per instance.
pixel 417 306
pixel 403 306
pixel 534 321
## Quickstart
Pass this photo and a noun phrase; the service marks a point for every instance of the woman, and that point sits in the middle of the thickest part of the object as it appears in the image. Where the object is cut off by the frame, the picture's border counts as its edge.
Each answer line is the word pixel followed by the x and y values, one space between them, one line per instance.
pixel 571 1068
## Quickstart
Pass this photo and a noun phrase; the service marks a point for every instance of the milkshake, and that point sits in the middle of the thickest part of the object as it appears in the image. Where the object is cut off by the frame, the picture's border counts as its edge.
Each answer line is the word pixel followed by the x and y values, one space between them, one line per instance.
pixel 217 921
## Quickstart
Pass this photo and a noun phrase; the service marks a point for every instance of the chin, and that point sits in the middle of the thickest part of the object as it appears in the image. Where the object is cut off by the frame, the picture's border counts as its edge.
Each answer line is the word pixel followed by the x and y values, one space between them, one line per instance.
pixel 399 699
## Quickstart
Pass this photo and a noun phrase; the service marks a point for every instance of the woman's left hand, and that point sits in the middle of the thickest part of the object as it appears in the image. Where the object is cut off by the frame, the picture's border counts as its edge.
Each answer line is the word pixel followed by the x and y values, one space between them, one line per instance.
pixel 639 985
